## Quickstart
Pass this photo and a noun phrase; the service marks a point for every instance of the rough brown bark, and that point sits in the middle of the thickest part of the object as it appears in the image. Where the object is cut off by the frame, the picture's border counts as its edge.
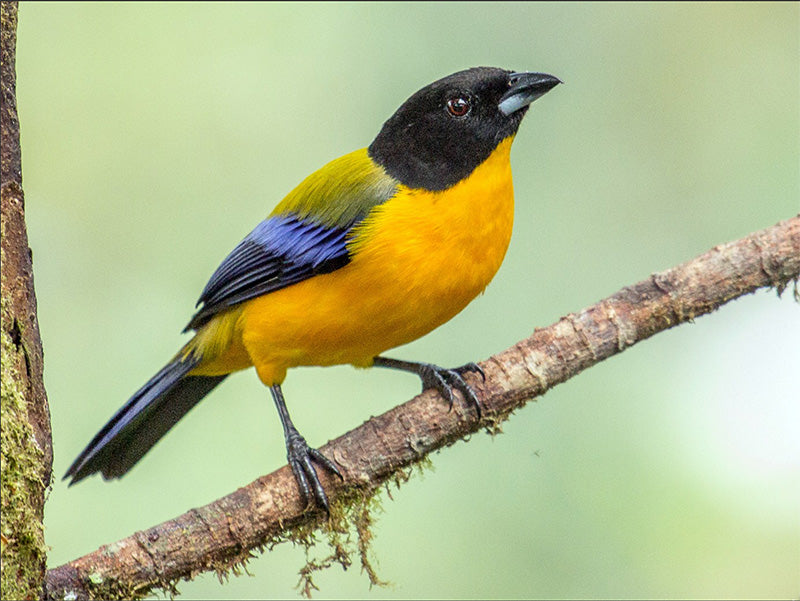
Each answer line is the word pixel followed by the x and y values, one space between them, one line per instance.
pixel 26 442
pixel 224 532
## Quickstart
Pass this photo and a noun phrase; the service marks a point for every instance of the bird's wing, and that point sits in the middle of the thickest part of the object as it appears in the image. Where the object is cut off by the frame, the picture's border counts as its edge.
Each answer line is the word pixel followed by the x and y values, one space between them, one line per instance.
pixel 306 235
pixel 278 253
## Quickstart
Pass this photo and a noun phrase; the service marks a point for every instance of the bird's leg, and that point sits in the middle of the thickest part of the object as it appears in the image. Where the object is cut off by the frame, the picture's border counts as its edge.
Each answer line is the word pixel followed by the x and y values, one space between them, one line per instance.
pixel 439 378
pixel 300 455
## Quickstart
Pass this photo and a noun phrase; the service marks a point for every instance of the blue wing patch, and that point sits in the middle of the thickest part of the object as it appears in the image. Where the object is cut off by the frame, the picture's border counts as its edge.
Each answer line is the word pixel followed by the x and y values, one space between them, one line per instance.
pixel 280 251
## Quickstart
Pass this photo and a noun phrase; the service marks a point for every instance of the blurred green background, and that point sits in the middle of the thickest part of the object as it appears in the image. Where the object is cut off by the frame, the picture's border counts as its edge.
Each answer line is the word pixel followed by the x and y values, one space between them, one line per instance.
pixel 155 136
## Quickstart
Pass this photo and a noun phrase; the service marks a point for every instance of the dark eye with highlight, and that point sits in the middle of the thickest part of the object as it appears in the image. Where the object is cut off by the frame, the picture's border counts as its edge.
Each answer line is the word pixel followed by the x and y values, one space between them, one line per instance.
pixel 458 106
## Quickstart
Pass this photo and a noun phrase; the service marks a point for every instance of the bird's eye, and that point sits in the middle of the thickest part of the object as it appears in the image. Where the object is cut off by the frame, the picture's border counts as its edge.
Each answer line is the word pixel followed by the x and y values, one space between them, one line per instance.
pixel 458 106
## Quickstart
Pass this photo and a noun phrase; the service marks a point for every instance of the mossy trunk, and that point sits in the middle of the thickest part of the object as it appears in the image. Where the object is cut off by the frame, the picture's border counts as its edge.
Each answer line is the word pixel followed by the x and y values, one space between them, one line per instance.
pixel 26 443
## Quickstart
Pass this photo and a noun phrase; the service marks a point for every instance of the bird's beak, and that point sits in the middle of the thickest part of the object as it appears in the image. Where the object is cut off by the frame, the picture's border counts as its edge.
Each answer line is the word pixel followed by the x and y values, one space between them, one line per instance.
pixel 524 88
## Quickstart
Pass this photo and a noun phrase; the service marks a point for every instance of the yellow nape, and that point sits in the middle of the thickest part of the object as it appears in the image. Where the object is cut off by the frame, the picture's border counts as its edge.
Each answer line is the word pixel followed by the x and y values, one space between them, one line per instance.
pixel 339 193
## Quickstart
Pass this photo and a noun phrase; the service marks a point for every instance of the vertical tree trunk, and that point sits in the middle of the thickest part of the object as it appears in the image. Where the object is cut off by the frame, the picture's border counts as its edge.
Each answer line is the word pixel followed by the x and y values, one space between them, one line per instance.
pixel 27 454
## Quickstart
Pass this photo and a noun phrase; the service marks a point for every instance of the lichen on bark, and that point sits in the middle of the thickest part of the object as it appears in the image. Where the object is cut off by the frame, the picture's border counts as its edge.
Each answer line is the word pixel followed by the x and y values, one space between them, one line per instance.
pixel 23 548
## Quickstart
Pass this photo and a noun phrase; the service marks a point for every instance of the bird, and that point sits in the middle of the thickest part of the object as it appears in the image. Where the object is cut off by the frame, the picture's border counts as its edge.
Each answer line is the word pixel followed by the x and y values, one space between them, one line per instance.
pixel 372 251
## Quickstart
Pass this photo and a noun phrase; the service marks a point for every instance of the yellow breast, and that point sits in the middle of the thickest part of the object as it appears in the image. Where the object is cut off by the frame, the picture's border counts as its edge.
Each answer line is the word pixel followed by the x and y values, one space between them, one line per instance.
pixel 418 260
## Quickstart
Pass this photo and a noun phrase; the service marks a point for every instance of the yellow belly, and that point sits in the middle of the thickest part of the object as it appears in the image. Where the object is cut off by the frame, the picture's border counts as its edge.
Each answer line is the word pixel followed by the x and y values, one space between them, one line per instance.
pixel 418 260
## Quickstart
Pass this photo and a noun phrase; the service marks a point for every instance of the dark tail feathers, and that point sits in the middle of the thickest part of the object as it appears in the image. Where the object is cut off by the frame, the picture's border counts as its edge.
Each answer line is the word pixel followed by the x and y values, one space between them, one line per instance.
pixel 145 418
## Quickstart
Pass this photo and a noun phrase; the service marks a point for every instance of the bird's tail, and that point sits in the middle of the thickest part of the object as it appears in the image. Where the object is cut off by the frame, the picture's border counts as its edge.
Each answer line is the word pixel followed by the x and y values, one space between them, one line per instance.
pixel 146 417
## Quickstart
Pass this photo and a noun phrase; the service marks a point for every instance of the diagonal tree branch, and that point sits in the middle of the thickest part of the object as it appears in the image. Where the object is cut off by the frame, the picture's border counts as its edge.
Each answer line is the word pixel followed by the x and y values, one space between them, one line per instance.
pixel 224 532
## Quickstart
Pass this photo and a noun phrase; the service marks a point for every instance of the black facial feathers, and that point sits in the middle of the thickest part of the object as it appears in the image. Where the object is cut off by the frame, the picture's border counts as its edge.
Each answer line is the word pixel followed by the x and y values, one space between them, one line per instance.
pixel 446 129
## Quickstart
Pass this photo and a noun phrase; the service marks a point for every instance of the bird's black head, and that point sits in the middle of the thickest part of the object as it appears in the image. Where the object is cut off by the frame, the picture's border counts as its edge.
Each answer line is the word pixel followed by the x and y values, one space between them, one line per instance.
pixel 448 128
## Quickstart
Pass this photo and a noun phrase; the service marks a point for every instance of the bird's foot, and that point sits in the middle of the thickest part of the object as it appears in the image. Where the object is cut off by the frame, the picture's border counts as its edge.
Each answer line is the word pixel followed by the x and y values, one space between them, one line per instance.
pixel 301 459
pixel 441 379
pixel 444 380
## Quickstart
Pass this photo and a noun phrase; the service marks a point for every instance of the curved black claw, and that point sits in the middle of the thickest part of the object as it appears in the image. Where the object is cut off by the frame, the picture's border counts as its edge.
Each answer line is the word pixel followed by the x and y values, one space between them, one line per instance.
pixel 444 380
pixel 471 367
pixel 300 457
pixel 439 378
